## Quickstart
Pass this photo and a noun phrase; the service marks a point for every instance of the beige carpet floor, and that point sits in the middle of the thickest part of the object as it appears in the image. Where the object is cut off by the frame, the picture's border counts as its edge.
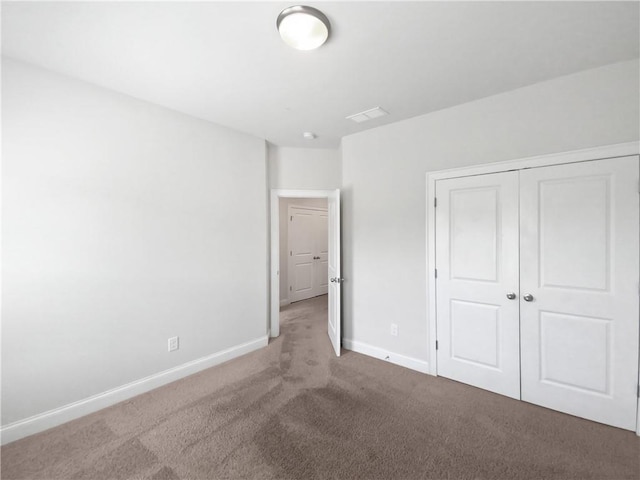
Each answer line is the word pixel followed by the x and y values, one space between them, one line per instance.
pixel 293 410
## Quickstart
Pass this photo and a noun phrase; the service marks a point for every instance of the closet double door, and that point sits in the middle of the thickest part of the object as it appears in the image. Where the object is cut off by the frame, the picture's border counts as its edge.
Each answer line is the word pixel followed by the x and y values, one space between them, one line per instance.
pixel 537 286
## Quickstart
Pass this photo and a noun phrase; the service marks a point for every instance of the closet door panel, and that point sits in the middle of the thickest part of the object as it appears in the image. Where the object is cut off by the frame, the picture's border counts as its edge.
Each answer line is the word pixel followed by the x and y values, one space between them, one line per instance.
pixel 477 262
pixel 301 262
pixel 579 264
pixel 308 246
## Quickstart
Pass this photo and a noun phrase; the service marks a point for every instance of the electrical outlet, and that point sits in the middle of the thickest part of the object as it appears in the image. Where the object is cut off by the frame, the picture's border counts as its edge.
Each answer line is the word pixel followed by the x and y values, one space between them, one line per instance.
pixel 394 329
pixel 173 344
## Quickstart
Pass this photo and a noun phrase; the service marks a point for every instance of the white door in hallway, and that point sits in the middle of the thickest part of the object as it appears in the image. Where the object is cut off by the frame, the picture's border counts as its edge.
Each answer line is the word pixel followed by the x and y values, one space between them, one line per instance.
pixel 579 273
pixel 308 253
pixel 477 282
pixel 333 268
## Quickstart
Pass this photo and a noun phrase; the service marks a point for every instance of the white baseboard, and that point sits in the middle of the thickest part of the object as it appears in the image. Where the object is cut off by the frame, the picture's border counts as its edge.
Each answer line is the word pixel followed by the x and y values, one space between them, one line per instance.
pixel 66 413
pixel 395 358
pixel 284 303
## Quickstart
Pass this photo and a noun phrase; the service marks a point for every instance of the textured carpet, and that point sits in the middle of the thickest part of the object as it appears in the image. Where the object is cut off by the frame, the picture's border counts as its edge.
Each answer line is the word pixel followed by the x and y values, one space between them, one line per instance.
pixel 292 410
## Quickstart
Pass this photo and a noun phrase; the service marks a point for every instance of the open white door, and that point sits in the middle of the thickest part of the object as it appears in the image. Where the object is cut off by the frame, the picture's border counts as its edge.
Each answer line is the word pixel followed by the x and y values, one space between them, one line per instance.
pixel 333 203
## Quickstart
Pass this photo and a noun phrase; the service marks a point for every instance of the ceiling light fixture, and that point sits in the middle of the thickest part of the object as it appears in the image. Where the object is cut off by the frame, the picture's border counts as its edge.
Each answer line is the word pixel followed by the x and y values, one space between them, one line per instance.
pixel 309 135
pixel 302 27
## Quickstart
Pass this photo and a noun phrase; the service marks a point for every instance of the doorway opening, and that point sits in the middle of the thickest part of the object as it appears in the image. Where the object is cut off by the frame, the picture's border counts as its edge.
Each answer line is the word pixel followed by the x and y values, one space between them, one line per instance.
pixel 304 248
pixel 305 255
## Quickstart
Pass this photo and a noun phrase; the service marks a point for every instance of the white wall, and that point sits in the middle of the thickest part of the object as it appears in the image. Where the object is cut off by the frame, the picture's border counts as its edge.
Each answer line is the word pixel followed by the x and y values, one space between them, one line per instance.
pixel 383 174
pixel 304 168
pixel 284 238
pixel 122 227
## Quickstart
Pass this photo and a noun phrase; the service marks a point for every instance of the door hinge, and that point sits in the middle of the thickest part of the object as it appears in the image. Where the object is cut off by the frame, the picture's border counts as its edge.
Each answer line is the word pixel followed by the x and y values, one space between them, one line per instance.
pixel 291 253
pixel 436 273
pixel 435 202
pixel 291 219
pixel 290 288
pixel 436 344
pixel 638 392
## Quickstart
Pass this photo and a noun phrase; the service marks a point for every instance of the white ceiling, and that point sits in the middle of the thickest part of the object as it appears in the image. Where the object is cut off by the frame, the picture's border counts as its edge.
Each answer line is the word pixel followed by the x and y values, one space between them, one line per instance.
pixel 224 61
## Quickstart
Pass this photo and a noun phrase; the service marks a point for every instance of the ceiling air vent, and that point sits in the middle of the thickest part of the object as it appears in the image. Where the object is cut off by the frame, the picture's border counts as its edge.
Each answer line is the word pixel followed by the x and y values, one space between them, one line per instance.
pixel 367 115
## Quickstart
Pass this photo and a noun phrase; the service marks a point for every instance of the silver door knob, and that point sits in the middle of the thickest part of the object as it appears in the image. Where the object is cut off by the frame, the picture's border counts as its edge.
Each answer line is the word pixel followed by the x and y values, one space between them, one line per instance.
pixel 333 279
pixel 528 297
pixel 511 295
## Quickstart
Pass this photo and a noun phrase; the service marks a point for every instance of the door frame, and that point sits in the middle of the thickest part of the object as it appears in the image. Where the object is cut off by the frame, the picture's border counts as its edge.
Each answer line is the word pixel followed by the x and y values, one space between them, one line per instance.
pixel 274 221
pixel 595 153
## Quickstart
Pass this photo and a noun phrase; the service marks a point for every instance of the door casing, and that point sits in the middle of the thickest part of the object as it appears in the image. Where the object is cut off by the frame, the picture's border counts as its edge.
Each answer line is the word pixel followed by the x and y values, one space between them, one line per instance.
pixel 596 153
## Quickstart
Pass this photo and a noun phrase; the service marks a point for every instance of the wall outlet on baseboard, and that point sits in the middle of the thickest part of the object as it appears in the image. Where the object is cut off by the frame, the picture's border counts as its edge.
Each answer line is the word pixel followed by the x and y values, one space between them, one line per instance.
pixel 173 344
pixel 394 329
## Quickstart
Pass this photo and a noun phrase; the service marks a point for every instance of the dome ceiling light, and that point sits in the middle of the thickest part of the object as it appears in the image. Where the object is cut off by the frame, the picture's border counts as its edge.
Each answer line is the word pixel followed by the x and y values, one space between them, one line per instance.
pixel 302 27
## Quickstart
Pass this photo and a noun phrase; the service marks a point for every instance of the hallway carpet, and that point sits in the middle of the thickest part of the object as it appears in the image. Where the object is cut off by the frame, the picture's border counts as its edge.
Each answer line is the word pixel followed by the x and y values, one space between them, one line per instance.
pixel 293 410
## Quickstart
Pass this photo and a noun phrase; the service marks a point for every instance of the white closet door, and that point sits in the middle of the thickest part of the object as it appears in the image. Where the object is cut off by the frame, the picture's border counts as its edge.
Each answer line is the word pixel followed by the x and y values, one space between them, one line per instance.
pixel 477 262
pixel 302 253
pixel 579 263
pixel 308 249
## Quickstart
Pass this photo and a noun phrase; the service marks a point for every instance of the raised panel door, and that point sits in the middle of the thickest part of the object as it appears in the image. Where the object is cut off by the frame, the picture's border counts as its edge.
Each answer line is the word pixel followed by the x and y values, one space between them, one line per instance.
pixel 579 266
pixel 477 264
